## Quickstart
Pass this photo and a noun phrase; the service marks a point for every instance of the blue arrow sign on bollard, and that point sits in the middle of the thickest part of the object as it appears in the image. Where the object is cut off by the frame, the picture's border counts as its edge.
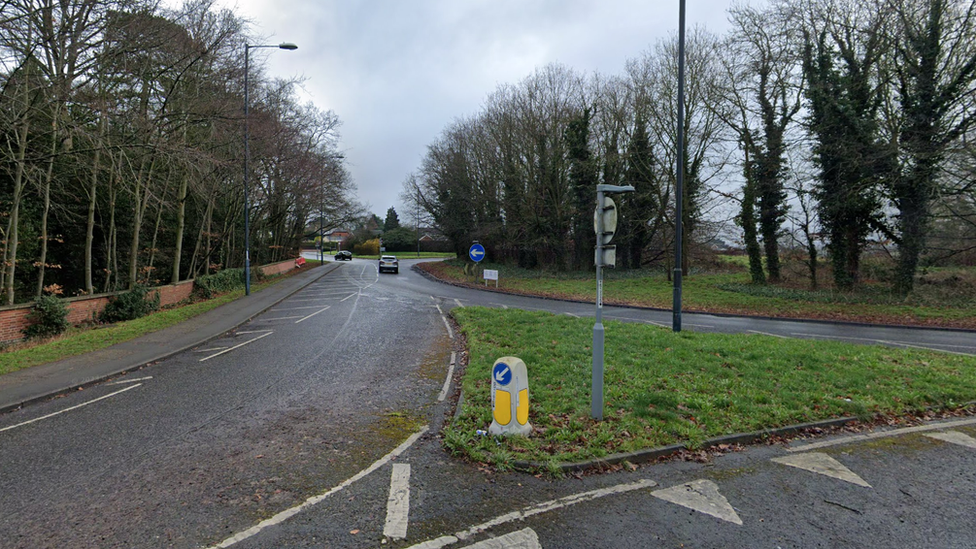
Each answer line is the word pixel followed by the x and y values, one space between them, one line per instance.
pixel 476 252
pixel 502 374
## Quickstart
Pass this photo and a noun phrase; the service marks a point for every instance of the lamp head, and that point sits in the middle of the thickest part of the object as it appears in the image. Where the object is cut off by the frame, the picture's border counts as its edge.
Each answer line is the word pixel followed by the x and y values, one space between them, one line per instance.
pixel 287 46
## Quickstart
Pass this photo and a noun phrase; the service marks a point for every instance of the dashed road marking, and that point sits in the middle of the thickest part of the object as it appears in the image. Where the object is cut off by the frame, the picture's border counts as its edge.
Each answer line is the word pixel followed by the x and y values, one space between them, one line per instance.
pixel 822 464
pixel 75 407
pixel 280 318
pixel 288 513
pixel 450 332
pixel 313 314
pixel 458 302
pixel 398 504
pixel 447 382
pixel 239 345
pixel 135 380
pixel 522 539
pixel 767 334
pixel 954 437
pixel 702 496
pixel 526 512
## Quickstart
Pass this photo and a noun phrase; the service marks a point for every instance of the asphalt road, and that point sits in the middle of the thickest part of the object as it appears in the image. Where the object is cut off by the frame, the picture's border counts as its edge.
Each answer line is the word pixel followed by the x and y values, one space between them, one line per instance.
pixel 295 431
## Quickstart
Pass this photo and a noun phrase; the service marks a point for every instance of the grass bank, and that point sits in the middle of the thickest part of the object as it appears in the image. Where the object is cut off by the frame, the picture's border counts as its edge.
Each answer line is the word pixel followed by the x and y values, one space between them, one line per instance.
pixel 664 388
pixel 940 300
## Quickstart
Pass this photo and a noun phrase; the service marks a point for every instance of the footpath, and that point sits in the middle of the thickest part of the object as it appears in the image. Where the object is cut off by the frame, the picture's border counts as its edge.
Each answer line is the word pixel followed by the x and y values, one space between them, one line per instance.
pixel 44 381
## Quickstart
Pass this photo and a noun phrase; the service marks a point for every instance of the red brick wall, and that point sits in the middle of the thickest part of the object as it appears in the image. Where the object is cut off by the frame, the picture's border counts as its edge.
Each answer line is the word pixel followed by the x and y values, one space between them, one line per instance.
pixel 13 319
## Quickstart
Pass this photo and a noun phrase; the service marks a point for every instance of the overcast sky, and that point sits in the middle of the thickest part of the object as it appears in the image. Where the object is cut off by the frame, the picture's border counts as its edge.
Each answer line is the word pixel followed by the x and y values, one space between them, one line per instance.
pixel 397 72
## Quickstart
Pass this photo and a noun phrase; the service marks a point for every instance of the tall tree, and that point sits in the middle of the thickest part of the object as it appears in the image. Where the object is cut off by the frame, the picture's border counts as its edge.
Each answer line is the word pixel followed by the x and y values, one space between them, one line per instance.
pixel 392 220
pixel 936 69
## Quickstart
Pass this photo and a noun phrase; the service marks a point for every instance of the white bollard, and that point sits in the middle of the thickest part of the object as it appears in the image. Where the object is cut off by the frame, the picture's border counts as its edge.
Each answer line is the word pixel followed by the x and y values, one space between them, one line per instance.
pixel 509 398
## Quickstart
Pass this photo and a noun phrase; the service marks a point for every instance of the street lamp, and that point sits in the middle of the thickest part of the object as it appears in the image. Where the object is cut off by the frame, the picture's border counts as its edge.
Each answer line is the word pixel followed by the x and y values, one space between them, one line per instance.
pixel 247 157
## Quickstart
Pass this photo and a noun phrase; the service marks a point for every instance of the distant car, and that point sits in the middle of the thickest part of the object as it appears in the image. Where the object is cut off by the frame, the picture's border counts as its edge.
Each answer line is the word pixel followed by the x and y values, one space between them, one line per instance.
pixel 389 263
pixel 343 255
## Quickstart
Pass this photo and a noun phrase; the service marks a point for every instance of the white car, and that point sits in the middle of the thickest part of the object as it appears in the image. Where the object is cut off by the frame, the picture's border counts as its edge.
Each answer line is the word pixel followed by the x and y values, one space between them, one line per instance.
pixel 389 263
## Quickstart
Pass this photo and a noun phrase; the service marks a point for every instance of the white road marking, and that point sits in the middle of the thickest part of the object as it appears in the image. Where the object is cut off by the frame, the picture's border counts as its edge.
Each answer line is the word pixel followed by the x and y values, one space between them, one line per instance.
pixel 313 314
pixel 209 350
pixel 822 464
pixel 398 504
pixel 253 332
pixel 532 510
pixel 889 342
pixel 504 306
pixel 458 301
pixel 883 434
pixel 280 318
pixel 521 539
pixel 955 437
pixel 288 513
pixel 702 496
pixel 439 310
pixel 450 332
pixel 75 407
pixel 229 349
pixel 296 308
pixel 767 334
pixel 348 296
pixel 135 380
pixel 453 358
pixel 447 382
pixel 572 315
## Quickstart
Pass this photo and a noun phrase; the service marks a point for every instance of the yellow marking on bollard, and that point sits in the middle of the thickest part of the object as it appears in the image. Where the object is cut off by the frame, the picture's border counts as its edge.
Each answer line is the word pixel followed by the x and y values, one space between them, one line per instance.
pixel 503 407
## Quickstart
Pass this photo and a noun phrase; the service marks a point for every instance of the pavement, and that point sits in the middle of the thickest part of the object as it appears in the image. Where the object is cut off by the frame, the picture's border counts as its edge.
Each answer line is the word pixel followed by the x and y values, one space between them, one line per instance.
pixel 47 380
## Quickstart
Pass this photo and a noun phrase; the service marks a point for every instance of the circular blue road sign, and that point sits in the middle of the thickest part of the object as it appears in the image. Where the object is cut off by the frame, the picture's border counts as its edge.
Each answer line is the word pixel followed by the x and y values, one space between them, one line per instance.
pixel 501 374
pixel 476 252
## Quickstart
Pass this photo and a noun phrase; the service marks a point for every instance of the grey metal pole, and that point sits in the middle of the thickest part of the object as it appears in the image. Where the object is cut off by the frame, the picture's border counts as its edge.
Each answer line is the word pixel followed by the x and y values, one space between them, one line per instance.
pixel 679 188
pixel 247 157
pixel 596 396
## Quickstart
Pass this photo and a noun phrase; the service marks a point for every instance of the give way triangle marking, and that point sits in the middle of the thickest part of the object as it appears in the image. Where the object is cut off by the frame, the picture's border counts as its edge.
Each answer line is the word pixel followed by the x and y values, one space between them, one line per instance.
pixel 701 496
pixel 955 437
pixel 822 464
pixel 523 539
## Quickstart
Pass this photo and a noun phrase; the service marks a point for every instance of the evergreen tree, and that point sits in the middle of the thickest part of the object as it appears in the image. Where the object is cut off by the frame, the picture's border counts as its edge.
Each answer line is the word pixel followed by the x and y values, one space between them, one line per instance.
pixel 392 221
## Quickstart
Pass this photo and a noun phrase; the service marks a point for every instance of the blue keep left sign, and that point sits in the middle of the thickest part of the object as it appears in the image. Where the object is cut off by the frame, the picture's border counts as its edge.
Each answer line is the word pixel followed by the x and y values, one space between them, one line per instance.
pixel 501 373
pixel 476 252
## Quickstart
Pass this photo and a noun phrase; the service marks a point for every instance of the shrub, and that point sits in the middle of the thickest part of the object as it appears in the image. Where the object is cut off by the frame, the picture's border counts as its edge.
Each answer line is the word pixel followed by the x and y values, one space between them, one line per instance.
pixel 370 247
pixel 48 317
pixel 130 305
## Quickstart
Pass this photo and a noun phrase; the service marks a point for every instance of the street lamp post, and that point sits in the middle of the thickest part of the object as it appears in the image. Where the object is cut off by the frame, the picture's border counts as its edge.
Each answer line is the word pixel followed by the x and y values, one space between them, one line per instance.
pixel 247 158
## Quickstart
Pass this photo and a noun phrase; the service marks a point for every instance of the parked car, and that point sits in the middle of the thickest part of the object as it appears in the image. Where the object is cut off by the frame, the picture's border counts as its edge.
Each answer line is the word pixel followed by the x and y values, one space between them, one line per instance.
pixel 389 263
pixel 343 255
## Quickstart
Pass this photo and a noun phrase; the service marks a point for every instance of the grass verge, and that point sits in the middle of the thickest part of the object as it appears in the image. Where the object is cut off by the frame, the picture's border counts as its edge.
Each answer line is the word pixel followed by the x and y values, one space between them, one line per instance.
pixel 731 293
pixel 664 388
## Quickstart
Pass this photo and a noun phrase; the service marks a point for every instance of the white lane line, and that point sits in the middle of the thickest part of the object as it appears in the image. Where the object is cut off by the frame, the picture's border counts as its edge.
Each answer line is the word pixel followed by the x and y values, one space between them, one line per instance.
pixel 288 513
pixel 954 437
pixel 532 510
pixel 453 358
pixel 398 504
pixel 254 332
pixel 450 332
pixel 927 348
pixel 504 306
pixel 313 314
pixel 572 315
pixel 235 347
pixel 458 301
pixel 209 350
pixel 295 308
pixel 280 318
pixel 883 434
pixel 525 538
pixel 75 407
pixel 767 334
pixel 439 310
pixel 447 382
pixel 348 296
pixel 123 381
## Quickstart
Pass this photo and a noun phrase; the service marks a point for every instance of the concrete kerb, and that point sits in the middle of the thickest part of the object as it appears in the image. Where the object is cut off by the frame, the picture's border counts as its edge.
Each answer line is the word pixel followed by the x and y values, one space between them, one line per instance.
pixel 168 352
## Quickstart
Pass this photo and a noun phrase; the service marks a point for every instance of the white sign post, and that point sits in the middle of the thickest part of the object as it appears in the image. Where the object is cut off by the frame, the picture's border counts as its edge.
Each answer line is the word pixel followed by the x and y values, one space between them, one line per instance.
pixel 490 274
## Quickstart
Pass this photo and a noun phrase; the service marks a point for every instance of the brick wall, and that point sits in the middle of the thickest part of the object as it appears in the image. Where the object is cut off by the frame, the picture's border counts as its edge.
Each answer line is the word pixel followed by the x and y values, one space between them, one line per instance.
pixel 13 318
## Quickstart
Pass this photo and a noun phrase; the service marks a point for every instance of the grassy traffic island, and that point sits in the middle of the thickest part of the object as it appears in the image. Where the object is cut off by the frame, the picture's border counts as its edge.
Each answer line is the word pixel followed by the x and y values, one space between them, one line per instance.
pixel 663 388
